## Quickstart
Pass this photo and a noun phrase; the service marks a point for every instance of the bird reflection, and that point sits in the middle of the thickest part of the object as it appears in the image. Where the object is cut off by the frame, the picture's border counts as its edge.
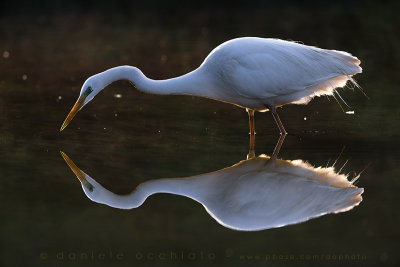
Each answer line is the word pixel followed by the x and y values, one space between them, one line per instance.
pixel 258 193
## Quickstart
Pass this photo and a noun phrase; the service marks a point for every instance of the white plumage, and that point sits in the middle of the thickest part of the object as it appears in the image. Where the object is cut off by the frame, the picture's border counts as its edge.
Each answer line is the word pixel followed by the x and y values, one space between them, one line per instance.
pixel 265 73
pixel 254 73
pixel 255 194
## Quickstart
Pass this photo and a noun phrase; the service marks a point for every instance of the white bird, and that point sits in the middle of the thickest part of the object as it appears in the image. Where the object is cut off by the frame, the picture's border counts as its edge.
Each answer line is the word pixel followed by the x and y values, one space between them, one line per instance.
pixel 255 194
pixel 254 73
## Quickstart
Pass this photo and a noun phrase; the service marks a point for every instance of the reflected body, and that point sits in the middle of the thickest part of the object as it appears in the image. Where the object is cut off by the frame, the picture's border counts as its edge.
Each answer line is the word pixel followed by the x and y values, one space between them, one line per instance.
pixel 254 194
pixel 254 73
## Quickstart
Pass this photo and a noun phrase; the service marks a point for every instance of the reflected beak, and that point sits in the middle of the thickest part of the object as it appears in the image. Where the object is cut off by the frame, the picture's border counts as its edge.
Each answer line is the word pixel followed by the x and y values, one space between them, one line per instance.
pixel 73 111
pixel 79 174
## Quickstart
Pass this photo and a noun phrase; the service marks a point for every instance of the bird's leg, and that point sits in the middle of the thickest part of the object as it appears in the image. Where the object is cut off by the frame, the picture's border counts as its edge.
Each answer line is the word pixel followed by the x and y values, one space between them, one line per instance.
pixel 251 121
pixel 278 146
pixel 252 134
pixel 283 133
pixel 279 123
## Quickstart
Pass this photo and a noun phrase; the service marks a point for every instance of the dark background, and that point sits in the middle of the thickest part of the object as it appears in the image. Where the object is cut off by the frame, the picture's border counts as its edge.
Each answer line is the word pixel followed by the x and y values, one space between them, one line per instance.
pixel 54 46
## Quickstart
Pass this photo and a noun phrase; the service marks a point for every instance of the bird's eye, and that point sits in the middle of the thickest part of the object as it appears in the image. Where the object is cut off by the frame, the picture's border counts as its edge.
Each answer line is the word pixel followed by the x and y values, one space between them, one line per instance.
pixel 88 91
pixel 91 188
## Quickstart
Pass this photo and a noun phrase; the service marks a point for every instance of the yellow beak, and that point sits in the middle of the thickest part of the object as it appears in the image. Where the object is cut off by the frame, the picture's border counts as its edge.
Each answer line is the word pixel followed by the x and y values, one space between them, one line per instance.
pixel 79 174
pixel 73 111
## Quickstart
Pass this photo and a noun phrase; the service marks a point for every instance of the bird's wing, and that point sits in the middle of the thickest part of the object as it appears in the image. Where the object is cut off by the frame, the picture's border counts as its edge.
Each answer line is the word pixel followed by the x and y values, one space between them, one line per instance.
pixel 260 75
pixel 282 68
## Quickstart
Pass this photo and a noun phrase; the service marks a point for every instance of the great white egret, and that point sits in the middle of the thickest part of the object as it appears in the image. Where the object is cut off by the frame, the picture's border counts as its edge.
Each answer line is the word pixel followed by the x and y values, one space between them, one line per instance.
pixel 254 194
pixel 254 73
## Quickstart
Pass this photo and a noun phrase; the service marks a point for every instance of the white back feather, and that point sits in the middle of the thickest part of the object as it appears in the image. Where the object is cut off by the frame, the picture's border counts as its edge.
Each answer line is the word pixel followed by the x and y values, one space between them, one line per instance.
pixel 276 72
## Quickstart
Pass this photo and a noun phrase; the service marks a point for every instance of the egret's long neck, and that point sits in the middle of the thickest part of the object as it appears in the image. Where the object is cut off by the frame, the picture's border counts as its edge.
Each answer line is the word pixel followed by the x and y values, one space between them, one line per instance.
pixel 195 83
pixel 195 188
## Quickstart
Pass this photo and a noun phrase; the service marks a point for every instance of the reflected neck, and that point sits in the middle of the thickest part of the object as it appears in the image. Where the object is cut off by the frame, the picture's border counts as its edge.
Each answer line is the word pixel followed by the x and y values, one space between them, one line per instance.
pixel 179 186
pixel 195 83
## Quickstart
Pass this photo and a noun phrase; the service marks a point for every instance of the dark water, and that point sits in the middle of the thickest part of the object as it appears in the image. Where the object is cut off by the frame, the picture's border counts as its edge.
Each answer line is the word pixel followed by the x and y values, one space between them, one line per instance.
pixel 48 220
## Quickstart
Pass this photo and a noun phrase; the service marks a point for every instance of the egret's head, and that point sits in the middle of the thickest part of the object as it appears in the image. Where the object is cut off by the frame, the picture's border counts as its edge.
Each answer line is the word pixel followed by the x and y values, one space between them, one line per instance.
pixel 93 190
pixel 90 89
